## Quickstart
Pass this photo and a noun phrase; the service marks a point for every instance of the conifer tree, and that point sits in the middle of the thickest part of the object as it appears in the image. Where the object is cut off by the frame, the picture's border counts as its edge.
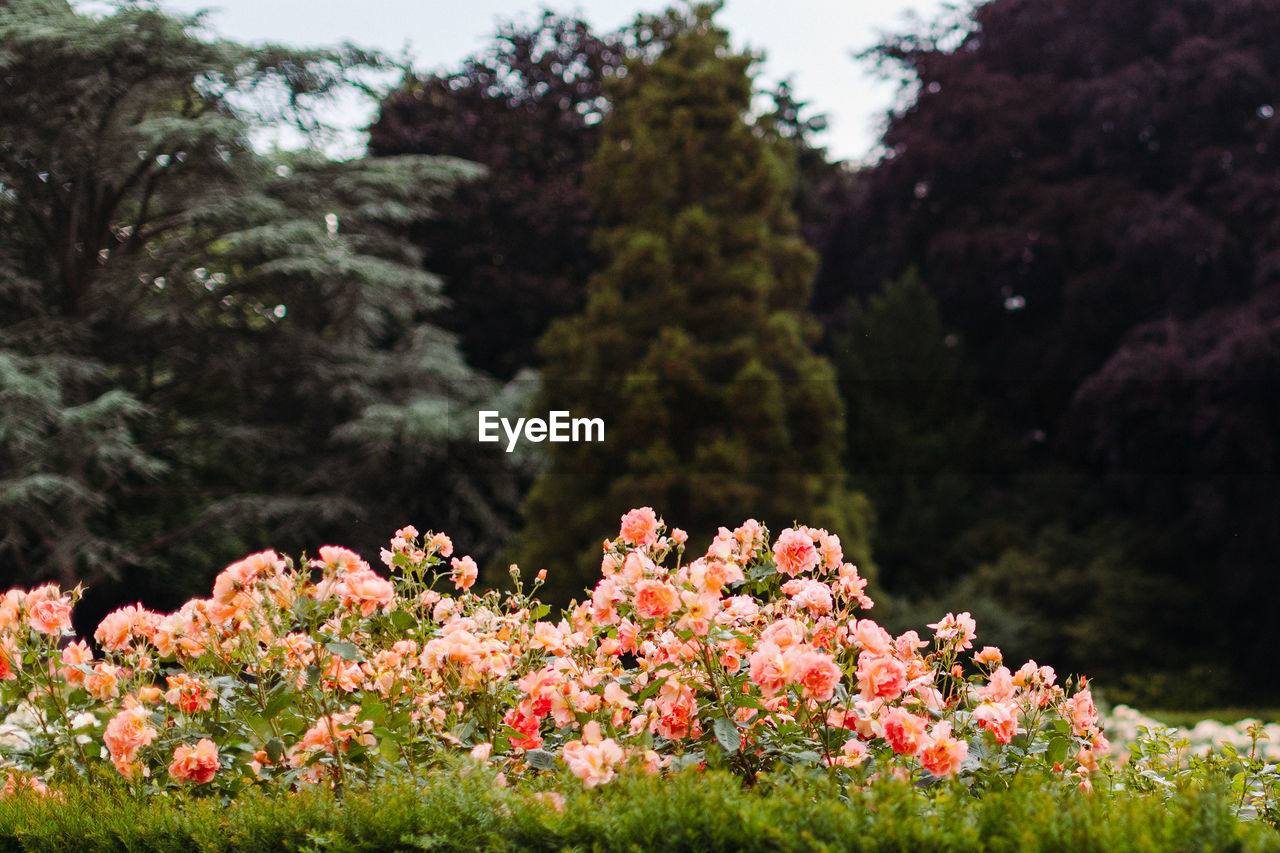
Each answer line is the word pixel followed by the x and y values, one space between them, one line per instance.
pixel 694 347
pixel 205 349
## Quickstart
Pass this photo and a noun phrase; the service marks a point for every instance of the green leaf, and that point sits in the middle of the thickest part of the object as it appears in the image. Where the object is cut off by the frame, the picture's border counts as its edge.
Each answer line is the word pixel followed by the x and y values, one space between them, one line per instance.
pixel 346 651
pixel 278 703
pixel 275 750
pixel 540 759
pixel 464 730
pixel 727 734
pixel 1057 751
pixel 540 611
pixel 402 620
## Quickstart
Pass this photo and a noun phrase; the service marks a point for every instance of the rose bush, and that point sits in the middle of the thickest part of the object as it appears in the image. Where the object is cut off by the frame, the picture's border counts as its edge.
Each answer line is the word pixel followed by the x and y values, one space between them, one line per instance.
pixel 326 671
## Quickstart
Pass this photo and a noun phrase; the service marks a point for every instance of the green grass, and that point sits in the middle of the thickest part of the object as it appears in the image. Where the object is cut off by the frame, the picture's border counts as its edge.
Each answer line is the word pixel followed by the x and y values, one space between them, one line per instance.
pixel 694 812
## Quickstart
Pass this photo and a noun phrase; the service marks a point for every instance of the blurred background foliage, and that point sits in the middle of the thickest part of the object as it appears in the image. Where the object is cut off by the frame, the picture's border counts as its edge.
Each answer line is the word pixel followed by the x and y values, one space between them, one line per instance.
pixel 1025 364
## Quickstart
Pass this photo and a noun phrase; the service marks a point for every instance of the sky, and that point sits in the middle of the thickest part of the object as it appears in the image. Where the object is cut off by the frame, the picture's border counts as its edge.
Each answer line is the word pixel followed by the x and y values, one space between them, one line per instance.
pixel 811 42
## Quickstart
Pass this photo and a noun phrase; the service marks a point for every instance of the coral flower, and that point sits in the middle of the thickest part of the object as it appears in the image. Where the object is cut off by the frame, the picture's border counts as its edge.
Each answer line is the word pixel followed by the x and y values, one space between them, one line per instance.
pixel 818 675
pixel 75 655
pixel 809 594
pixel 943 754
pixel 366 589
pixel 120 626
pixel 48 610
pixel 640 527
pixel 959 630
pixel 1000 686
pixel 903 730
pixel 198 764
pixel 794 553
pixel 872 637
pixel 656 599
pixel 440 544
pixel 1081 712
pixel 125 734
pixel 880 676
pixel 190 695
pixel 465 572
pixel 1000 718
pixel 103 682
pixel 593 758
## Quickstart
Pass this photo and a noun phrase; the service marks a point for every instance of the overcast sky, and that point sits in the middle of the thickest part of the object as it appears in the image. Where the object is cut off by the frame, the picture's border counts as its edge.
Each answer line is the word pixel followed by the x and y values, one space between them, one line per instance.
pixel 810 41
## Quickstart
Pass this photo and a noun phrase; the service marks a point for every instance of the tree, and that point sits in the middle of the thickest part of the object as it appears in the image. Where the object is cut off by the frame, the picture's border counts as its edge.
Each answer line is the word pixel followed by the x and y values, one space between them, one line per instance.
pixel 1089 192
pixel 918 441
pixel 204 349
pixel 694 345
pixel 1066 171
pixel 529 109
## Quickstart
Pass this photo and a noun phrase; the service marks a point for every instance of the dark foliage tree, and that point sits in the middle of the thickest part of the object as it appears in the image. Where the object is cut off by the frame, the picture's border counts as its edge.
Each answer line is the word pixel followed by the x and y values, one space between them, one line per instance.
pixel 205 350
pixel 695 345
pixel 513 247
pixel 1183 424
pixel 1068 170
pixel 529 110
pixel 917 440
pixel 1089 191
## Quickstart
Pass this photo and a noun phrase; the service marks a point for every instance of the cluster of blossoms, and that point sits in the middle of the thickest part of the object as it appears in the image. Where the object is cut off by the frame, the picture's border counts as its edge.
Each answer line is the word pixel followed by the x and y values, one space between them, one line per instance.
pixel 325 672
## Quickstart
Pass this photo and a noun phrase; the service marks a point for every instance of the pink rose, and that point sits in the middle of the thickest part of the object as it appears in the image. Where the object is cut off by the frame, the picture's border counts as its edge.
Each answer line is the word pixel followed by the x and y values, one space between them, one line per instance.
pixel 794 553
pixel 197 764
pixel 48 611
pixel 640 527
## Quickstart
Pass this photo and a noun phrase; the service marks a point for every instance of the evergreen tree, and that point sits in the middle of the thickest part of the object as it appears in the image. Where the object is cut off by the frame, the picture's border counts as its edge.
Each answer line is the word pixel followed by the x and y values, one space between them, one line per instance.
pixel 529 108
pixel 205 350
pixel 694 346
pixel 918 439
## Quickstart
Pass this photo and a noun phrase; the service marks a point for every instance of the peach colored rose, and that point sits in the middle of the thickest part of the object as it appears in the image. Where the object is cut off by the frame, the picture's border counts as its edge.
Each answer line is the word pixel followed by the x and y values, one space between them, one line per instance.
pixel 794 553
pixel 198 764
pixel 366 589
pixel 103 683
pixel 818 675
pixel 640 527
pixel 880 676
pixel 48 610
pixel 439 544
pixel 783 633
pixel 999 687
pixel 808 594
pixel 1081 712
pixel 593 763
pixel 872 637
pixel 74 655
pixel 553 799
pixel 941 754
pixel 125 734
pixel 853 753
pixel 465 572
pixel 988 655
pixel 958 630
pixel 655 599
pixel 120 626
pixel 1000 718
pixel 190 695
pixel 767 668
pixel 903 730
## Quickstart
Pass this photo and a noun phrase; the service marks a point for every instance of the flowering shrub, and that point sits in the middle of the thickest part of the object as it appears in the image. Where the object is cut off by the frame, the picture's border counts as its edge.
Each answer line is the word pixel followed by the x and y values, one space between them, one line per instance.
pixel 326 671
